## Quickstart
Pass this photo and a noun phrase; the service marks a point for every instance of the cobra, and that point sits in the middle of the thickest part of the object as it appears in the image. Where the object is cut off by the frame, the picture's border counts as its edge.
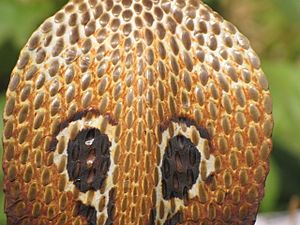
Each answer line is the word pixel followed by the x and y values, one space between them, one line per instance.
pixel 136 112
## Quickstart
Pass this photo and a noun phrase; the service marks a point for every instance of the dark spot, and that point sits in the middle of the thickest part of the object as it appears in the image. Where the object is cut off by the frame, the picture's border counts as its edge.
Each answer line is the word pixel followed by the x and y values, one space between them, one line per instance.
pixel 88 212
pixel 111 207
pixel 152 217
pixel 176 219
pixel 180 167
pixel 88 159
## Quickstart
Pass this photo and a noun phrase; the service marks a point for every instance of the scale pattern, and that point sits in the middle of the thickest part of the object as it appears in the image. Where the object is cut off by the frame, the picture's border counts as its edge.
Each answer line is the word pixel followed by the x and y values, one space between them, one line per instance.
pixel 149 112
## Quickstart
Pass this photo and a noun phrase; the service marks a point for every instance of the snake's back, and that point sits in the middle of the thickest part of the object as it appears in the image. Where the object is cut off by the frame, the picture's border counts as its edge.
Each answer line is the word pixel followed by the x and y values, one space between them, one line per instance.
pixel 142 112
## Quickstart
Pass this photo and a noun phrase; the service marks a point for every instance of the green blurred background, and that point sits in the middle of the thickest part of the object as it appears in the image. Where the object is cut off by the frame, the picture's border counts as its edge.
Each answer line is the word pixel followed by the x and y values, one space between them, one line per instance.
pixel 273 28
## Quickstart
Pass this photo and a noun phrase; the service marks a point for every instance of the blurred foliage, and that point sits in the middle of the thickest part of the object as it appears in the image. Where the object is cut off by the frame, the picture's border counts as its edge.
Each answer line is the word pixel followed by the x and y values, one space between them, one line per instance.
pixel 272 27
pixel 272 188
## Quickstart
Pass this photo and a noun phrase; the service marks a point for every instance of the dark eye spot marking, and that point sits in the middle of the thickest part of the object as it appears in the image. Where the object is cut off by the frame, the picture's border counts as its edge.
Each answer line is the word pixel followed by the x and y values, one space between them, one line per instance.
pixel 88 212
pixel 180 167
pixel 88 159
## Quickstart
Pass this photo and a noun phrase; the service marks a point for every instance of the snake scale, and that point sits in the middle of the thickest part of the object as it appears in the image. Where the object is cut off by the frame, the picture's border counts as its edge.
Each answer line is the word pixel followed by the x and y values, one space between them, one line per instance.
pixel 144 112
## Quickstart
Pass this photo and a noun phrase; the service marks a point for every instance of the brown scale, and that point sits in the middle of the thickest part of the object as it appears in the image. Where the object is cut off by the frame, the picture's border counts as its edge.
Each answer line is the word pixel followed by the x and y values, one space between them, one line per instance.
pixel 138 75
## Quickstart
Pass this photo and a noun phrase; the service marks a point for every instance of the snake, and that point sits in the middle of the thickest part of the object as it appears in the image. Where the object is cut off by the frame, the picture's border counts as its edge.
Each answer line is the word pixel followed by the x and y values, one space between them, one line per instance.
pixel 136 112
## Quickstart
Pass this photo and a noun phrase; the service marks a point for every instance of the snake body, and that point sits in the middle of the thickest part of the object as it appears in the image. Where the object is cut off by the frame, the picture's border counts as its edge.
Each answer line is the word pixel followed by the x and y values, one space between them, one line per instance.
pixel 144 112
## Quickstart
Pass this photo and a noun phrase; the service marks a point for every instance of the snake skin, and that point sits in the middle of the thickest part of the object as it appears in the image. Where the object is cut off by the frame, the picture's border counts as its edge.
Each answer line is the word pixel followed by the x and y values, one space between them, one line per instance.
pixel 144 112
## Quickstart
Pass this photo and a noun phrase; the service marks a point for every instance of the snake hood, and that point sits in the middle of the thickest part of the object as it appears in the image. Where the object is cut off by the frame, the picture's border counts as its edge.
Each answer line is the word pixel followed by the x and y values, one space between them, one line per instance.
pixel 149 112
